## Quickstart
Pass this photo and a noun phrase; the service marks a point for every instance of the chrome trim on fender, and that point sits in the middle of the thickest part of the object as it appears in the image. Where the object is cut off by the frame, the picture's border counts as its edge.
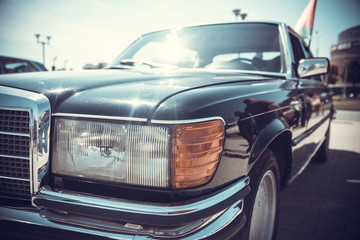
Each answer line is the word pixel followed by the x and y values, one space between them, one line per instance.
pixel 165 122
pixel 264 113
pixel 99 117
pixel 142 213
pixel 130 119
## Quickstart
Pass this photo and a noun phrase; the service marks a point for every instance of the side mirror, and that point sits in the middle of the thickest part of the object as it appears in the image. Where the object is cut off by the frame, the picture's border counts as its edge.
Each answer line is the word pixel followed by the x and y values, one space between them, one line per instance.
pixel 312 67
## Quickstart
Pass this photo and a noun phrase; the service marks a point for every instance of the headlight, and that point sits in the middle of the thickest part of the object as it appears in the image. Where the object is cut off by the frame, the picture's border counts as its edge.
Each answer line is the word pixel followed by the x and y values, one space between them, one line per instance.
pixel 177 156
pixel 133 154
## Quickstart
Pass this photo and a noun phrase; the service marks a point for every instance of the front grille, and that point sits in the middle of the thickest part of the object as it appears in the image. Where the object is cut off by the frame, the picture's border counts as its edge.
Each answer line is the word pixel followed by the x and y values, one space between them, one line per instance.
pixel 14 121
pixel 15 153
pixel 13 188
pixel 14 145
pixel 15 168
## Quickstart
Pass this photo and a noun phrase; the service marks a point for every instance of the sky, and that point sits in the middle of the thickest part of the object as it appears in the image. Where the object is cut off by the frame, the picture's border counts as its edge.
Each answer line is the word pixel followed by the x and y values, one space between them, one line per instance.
pixel 93 31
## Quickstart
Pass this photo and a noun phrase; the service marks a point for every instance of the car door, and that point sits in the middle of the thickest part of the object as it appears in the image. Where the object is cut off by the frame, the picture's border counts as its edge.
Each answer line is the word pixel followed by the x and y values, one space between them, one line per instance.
pixel 316 104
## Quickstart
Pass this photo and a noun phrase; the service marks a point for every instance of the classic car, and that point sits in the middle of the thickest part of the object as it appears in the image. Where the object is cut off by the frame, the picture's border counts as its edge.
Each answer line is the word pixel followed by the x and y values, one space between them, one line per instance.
pixel 190 134
pixel 19 65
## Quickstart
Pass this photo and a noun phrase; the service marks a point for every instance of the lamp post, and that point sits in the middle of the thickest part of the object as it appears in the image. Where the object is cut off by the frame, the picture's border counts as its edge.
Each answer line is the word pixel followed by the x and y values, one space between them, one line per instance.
pixel 237 14
pixel 317 43
pixel 37 35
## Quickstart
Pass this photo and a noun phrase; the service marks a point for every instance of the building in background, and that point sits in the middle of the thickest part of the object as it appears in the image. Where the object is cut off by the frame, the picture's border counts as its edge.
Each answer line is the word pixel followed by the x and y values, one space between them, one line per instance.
pixel 100 65
pixel 344 74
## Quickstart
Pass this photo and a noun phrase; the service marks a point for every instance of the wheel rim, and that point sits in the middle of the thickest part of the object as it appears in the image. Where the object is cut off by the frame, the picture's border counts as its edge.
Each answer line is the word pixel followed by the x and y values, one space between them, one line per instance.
pixel 264 210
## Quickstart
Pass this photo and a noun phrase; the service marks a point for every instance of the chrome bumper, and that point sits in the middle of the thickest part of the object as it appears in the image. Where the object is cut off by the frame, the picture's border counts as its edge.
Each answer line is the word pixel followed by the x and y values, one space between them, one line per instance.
pixel 218 213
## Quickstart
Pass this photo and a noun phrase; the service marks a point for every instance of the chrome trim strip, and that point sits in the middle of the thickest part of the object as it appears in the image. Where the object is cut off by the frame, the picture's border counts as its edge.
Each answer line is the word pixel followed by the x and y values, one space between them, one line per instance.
pixel 130 119
pixel 14 178
pixel 118 230
pixel 261 114
pixel 286 50
pixel 133 228
pixel 148 213
pixel 155 121
pixel 308 160
pixel 31 217
pixel 100 117
pixel 16 134
pixel 253 73
pixel 17 157
pixel 222 222
pixel 308 132
pixel 298 173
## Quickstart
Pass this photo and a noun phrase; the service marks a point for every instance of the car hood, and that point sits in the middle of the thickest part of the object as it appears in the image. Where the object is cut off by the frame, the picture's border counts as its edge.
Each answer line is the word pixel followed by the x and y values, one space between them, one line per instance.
pixel 121 93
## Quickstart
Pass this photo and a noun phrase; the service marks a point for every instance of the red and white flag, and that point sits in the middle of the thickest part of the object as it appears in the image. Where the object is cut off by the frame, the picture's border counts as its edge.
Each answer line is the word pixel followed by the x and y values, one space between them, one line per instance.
pixel 305 23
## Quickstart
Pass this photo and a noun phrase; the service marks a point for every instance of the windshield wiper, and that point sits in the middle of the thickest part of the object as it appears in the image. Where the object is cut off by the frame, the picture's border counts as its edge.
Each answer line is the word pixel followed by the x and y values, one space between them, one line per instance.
pixel 134 62
pixel 127 63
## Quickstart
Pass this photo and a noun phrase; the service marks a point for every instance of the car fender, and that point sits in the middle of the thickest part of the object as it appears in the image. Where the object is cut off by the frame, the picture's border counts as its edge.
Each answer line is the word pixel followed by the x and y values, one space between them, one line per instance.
pixel 267 136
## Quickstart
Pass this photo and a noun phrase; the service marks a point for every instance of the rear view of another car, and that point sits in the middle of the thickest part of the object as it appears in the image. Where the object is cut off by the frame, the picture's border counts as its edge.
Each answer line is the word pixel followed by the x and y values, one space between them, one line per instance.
pixel 18 65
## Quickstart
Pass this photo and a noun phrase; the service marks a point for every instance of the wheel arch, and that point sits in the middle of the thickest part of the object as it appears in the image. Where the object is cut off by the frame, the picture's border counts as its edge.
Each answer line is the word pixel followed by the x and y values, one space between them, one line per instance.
pixel 281 147
pixel 277 137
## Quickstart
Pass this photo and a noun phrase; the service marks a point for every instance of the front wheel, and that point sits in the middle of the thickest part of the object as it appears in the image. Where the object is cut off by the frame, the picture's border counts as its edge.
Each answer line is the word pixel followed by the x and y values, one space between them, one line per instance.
pixel 261 205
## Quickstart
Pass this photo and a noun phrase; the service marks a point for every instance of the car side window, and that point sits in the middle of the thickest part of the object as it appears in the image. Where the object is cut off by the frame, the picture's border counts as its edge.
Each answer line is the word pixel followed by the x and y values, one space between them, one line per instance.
pixel 297 48
pixel 301 52
pixel 17 66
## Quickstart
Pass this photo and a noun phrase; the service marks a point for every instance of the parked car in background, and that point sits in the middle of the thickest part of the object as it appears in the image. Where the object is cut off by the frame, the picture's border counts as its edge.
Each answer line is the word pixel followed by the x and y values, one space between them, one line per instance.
pixel 190 134
pixel 19 65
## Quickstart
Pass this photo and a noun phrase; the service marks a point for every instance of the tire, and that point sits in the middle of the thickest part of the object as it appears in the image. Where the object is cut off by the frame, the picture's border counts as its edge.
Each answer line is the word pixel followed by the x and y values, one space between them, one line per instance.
pixel 322 154
pixel 261 205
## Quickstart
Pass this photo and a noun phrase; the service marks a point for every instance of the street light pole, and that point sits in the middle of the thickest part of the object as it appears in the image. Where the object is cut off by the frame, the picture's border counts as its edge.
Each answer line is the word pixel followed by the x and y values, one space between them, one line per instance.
pixel 237 14
pixel 37 35
pixel 317 43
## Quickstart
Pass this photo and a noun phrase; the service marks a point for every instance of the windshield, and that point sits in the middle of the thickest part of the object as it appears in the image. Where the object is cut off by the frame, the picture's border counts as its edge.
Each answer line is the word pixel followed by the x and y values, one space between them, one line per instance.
pixel 249 46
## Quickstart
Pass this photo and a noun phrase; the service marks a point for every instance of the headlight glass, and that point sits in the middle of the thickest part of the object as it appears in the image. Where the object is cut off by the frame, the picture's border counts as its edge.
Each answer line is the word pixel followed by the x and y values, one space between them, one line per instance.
pixel 117 152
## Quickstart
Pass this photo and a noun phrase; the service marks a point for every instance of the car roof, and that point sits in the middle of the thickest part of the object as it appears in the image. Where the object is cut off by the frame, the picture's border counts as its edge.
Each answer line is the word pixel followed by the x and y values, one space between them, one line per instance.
pixel 214 24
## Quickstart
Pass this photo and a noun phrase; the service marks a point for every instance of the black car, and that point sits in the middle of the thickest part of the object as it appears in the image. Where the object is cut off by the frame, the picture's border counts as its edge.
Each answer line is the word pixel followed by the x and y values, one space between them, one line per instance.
pixel 190 134
pixel 19 65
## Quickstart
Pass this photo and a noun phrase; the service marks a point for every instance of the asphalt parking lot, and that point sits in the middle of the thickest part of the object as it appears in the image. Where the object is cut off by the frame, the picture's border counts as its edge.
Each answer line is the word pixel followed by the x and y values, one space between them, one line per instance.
pixel 324 202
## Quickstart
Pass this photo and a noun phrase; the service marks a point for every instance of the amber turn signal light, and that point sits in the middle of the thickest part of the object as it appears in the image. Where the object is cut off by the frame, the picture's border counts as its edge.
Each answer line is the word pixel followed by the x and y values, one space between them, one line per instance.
pixel 195 153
